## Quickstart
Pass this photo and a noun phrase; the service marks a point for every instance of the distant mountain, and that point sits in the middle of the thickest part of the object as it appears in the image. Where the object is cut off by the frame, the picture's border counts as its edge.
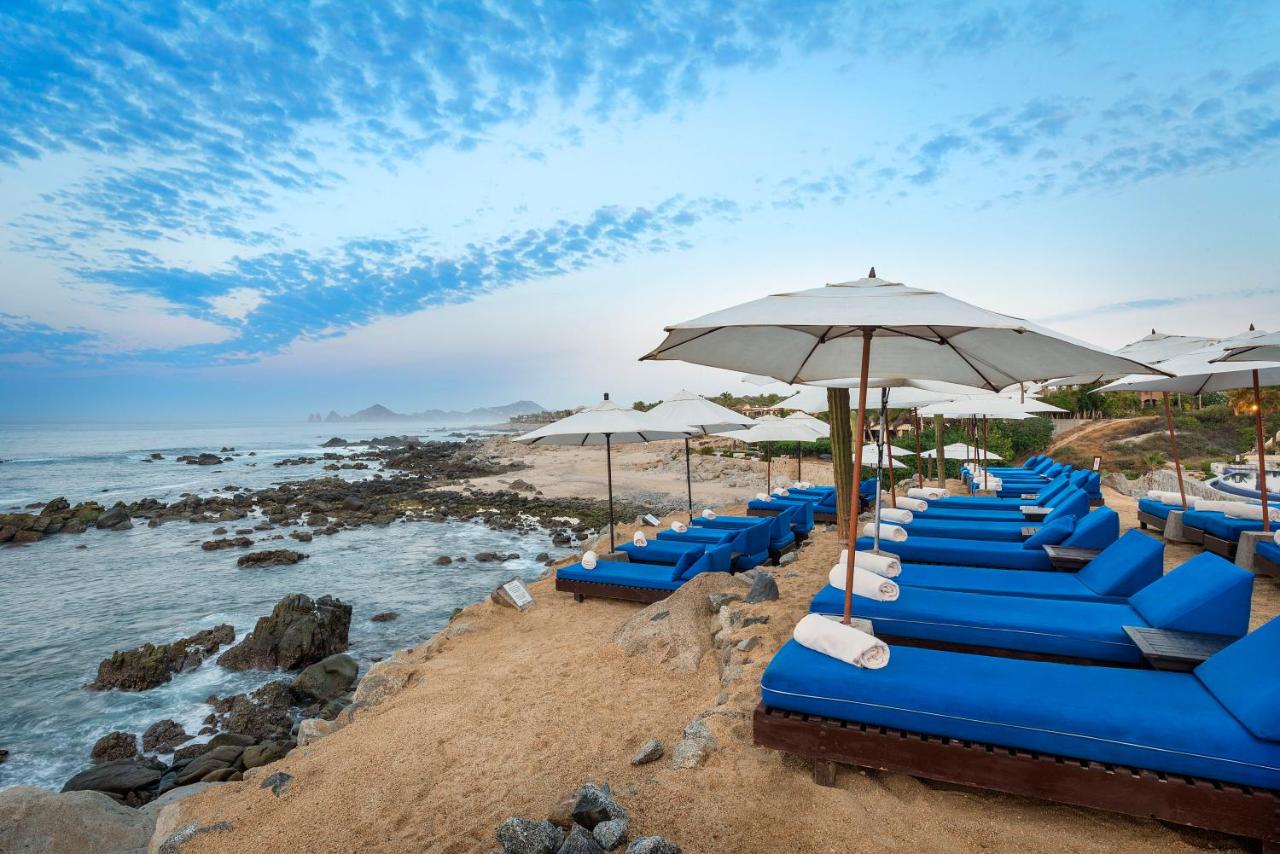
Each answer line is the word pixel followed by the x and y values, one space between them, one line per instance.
pixel 481 415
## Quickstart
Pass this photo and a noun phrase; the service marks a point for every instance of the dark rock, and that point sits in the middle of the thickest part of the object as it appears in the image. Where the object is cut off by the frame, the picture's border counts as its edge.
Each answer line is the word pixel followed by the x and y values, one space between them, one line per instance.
pixel 115 519
pixel 302 536
pixel 272 557
pixel 298 632
pixel 652 845
pixel 230 739
pixel 335 442
pixel 4 756
pixel 580 841
pixel 236 543
pixel 542 557
pixel 118 778
pixel 596 804
pixel 488 557
pixel 443 560
pixel 263 754
pixel 191 751
pixel 612 833
pixel 763 588
pixel 149 665
pixel 276 782
pixel 525 836
pixel 327 678
pixel 163 736
pixel 264 715
pixel 650 751
pixel 113 747
pixel 520 485
pixel 384 617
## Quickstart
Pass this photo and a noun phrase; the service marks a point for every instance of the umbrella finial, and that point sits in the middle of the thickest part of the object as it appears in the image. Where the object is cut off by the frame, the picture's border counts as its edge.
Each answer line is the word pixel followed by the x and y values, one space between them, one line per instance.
pixel 1153 330
pixel 1251 329
pixel 606 395
pixel 872 274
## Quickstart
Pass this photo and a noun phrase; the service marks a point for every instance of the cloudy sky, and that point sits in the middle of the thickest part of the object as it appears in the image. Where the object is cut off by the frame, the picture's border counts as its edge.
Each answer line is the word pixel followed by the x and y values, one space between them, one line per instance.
pixel 222 209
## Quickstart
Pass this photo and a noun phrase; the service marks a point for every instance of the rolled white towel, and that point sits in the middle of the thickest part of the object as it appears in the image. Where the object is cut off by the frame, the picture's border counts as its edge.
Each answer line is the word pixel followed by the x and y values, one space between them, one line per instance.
pixel 899 515
pixel 1277 537
pixel 928 493
pixel 679 527
pixel 762 496
pixel 708 514
pixel 639 539
pixel 779 491
pixel 1252 511
pixel 895 533
pixel 866 583
pixel 915 505
pixel 1210 505
pixel 841 642
pixel 883 564
pixel 589 560
pixel 1164 497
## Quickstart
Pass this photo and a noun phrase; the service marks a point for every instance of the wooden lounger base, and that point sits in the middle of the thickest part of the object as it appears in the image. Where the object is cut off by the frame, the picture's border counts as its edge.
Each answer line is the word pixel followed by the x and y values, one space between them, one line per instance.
pixel 775 555
pixel 1192 801
pixel 1097 502
pixel 1219 546
pixel 1193 535
pixel 1146 520
pixel 996 652
pixel 584 589
pixel 1263 566
pixel 825 518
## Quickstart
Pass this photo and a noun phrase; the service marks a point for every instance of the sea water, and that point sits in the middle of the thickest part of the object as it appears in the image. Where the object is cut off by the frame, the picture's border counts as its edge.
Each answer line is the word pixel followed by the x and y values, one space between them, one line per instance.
pixel 63 608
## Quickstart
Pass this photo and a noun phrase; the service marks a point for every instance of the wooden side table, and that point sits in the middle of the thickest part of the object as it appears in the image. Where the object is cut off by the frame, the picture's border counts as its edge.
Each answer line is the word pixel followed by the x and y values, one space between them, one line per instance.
pixel 1169 650
pixel 1069 558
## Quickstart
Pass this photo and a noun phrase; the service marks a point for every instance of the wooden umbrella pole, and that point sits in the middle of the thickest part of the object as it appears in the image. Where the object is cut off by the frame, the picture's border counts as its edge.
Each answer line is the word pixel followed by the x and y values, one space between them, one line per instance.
pixel 1262 456
pixel 986 459
pixel 608 468
pixel 768 467
pixel 884 424
pixel 857 474
pixel 1173 445
pixel 916 423
pixel 688 478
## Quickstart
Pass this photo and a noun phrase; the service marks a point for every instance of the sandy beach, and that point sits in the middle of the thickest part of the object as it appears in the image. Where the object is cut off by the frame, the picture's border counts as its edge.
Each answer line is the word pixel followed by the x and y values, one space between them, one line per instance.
pixel 506 713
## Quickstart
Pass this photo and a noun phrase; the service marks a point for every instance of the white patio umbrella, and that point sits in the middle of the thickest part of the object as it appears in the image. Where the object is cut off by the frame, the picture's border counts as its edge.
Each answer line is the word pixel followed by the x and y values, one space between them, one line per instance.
pixel 826 333
pixel 606 424
pixel 702 414
pixel 959 451
pixel 808 399
pixel 1264 348
pixel 1205 371
pixel 822 428
pixel 770 429
pixel 985 407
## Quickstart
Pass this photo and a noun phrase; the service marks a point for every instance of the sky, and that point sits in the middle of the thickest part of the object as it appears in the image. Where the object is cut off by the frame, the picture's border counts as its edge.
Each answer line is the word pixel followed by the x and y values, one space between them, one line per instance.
pixel 266 209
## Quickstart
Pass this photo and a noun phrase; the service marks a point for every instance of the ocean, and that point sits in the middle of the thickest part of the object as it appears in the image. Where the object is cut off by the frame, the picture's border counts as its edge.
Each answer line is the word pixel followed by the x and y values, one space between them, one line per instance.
pixel 65 608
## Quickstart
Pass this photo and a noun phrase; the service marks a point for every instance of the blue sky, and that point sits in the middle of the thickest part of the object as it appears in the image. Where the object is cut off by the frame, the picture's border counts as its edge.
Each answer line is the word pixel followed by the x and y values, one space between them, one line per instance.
pixel 221 209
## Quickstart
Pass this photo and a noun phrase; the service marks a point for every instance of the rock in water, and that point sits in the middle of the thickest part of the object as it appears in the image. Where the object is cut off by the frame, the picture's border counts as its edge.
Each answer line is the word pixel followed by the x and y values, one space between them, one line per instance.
pixel 82 822
pixel 149 665
pixel 298 632
pixel 113 747
pixel 117 778
pixel 384 617
pixel 328 678
pixel 272 557
pixel 115 519
pixel 525 836
pixel 163 736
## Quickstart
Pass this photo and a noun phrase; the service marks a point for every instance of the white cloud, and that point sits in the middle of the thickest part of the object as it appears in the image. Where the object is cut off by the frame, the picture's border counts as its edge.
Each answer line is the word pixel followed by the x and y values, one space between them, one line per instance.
pixel 237 304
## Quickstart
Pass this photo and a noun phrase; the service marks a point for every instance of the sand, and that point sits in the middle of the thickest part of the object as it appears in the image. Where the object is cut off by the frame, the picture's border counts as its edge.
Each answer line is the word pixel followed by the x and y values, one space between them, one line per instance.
pixel 507 712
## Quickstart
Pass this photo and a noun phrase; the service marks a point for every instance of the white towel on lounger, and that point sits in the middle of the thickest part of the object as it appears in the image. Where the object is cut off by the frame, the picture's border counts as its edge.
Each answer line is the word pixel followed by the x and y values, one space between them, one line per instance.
pixel 761 496
pixel 928 493
pixel 1277 538
pixel 883 564
pixel 1211 506
pixel 866 584
pixel 589 560
pixel 640 540
pixel 841 642
pixel 895 533
pixel 1164 497
pixel 780 491
pixel 708 514
pixel 1252 511
pixel 899 515
pixel 679 527
pixel 915 505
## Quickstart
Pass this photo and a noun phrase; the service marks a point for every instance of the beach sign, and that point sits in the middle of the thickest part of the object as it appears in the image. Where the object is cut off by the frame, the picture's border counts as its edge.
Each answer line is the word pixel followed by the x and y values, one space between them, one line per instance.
pixel 520 595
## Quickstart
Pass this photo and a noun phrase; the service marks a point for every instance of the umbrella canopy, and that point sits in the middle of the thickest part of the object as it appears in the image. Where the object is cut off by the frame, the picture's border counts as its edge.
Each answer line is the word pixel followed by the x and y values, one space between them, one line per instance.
pixel 771 428
pixel 807 399
pixel 701 414
pixel 989 406
pixel 816 334
pixel 870 456
pixel 606 423
pixel 959 451
pixel 1151 349
pixel 1265 348
pixel 817 425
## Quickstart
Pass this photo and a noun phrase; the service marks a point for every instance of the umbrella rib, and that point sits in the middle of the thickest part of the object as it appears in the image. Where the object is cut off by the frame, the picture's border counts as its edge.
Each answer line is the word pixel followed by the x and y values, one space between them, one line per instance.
pixel 660 349
pixel 956 350
pixel 816 344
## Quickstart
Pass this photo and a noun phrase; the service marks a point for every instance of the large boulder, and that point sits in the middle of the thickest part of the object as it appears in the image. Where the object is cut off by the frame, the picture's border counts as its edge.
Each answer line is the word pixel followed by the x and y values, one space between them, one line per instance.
pixel 271 557
pixel 117 778
pixel 163 736
pixel 113 747
pixel 298 632
pixel 382 680
pixel 150 665
pixel 328 678
pixel 81 822
pixel 680 629
pixel 115 519
pixel 263 715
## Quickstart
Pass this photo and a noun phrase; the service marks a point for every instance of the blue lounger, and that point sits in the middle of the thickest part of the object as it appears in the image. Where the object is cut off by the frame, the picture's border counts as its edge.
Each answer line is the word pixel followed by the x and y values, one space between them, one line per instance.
pixel 748 545
pixel 671 552
pixel 1096 530
pixel 1008 511
pixel 801 520
pixel 1074 505
pixel 1217 723
pixel 1015 489
pixel 1120 570
pixel 1221 533
pixel 993 503
pixel 635 582
pixel 1157 509
pixel 781 537
pixel 1206 594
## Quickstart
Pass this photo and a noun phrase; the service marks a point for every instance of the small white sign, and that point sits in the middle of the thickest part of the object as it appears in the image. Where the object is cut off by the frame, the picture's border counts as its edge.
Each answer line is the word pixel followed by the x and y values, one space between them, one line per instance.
pixel 651 519
pixel 519 593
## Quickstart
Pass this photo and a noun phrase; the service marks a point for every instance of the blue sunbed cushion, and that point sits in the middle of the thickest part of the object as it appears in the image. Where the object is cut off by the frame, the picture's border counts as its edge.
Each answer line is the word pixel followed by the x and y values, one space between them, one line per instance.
pixel 1242 677
pixel 1071 502
pixel 1095 530
pixel 1125 567
pixel 664 553
pixel 648 575
pixel 1267 549
pixel 1157 508
pixel 1003 582
pixel 1137 718
pixel 1205 594
pixel 1051 533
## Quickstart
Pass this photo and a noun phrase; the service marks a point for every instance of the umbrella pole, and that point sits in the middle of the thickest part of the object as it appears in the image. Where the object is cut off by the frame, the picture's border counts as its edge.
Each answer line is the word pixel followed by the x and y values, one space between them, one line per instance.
pixel 879 470
pixel 1262 457
pixel 768 467
pixel 857 475
pixel 884 421
pixel 608 468
pixel 916 423
pixel 799 457
pixel 1173 445
pixel 986 460
pixel 688 478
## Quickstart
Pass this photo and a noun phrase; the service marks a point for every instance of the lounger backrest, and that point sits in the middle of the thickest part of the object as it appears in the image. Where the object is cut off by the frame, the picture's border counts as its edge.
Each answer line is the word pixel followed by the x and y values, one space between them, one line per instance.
pixel 1050 533
pixel 699 564
pixel 1242 678
pixel 1043 465
pixel 1126 566
pixel 1070 503
pixel 1078 478
pixel 1032 461
pixel 1205 594
pixel 1095 530
pixel 1093 484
